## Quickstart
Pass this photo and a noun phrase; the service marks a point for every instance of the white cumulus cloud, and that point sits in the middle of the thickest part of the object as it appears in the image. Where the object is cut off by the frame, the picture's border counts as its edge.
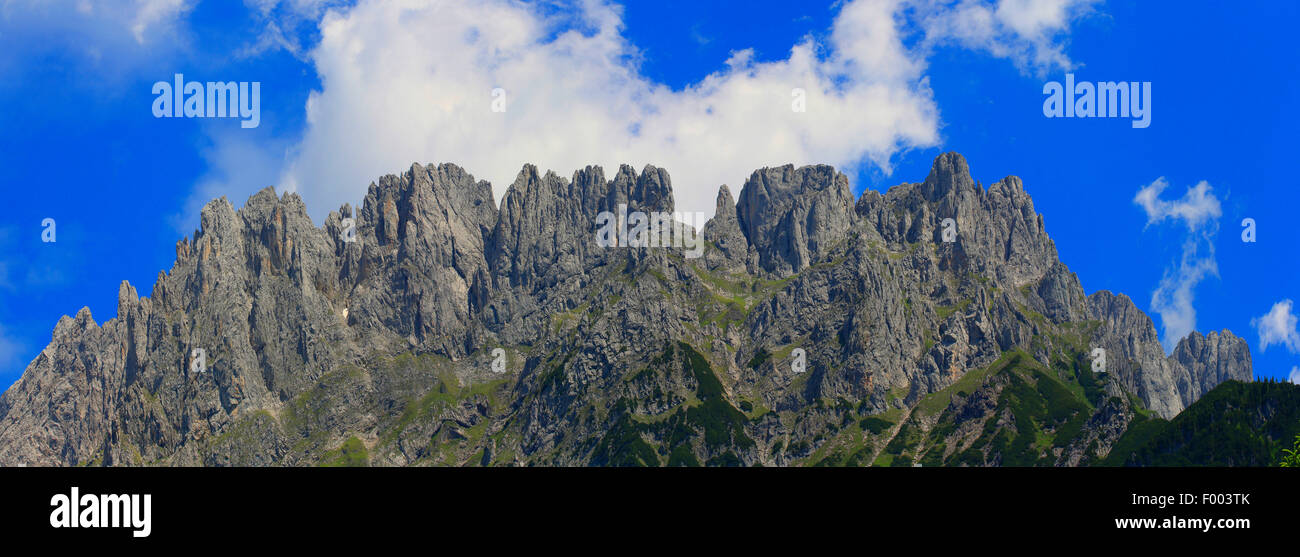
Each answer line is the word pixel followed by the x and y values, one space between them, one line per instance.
pixel 1278 326
pixel 1175 297
pixel 407 81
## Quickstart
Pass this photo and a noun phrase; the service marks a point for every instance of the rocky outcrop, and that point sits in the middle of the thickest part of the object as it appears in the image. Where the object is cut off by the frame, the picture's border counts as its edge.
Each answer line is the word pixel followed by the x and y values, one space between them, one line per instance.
pixel 732 250
pixel 430 231
pixel 1210 360
pixel 791 214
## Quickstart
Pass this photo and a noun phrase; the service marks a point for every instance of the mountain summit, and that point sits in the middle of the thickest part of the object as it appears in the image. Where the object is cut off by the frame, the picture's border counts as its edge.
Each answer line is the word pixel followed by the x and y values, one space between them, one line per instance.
pixel 433 327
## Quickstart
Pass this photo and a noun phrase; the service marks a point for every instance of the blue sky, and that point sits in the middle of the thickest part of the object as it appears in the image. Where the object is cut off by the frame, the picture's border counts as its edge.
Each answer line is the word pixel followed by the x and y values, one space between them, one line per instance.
pixel 671 78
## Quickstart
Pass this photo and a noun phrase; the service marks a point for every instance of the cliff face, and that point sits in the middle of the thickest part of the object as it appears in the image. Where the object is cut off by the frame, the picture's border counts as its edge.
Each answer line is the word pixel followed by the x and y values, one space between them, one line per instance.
pixel 436 328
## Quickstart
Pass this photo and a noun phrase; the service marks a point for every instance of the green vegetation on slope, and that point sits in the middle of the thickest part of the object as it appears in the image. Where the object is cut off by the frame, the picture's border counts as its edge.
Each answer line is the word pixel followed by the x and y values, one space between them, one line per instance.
pixel 1013 412
pixel 707 427
pixel 1235 424
pixel 351 453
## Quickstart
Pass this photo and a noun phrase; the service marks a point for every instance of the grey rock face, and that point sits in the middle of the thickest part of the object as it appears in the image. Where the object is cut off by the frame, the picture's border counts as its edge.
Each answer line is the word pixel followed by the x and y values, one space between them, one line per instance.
pixel 733 251
pixel 1209 360
pixel 431 327
pixel 429 231
pixel 1165 384
pixel 789 214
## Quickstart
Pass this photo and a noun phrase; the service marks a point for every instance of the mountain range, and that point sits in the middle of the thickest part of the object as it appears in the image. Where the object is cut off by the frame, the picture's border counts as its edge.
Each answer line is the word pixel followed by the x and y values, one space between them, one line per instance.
pixel 433 327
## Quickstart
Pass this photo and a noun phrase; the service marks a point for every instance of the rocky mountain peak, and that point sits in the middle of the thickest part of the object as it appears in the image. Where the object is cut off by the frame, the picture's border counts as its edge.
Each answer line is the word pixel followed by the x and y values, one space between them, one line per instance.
pixel 725 204
pixel 949 176
pixel 733 251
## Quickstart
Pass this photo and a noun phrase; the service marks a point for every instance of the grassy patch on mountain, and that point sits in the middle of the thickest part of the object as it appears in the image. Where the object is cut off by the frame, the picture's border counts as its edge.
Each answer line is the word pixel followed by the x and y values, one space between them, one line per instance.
pixel 937 401
pixel 945 311
pixel 352 453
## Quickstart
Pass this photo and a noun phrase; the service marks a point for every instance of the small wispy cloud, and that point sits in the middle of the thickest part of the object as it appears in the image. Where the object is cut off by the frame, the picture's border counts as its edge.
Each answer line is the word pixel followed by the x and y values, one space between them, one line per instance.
pixel 1295 375
pixel 6 248
pixel 286 24
pixel 1278 326
pixel 1028 32
pixel 1174 298
pixel 699 37
pixel 115 41
pixel 138 17
pixel 151 13
pixel 1197 208
pixel 5 282
pixel 10 349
